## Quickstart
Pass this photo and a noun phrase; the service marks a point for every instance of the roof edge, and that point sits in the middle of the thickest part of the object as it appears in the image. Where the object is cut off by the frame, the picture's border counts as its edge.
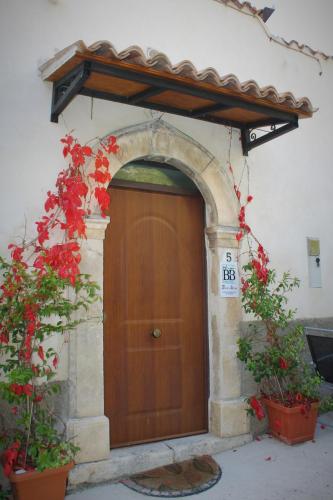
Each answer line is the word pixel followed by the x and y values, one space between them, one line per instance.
pixel 249 9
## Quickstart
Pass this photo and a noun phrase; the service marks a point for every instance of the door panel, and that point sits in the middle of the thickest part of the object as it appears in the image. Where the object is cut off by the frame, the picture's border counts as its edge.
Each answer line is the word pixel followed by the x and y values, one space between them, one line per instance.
pixel 154 278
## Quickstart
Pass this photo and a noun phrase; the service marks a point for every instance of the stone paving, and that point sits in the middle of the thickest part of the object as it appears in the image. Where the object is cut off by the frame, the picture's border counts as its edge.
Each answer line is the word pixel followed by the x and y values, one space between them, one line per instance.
pixel 260 470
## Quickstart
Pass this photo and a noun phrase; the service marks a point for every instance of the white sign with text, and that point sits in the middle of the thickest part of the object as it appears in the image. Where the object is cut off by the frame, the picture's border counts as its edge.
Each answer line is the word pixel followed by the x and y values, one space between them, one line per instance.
pixel 229 277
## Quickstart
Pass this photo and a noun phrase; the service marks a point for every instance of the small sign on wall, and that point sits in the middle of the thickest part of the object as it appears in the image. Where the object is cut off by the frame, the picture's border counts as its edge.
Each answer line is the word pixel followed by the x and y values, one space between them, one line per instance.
pixel 229 277
pixel 314 262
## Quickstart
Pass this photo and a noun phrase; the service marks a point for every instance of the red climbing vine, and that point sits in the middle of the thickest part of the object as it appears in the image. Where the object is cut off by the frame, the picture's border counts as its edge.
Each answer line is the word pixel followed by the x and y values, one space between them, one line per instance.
pixel 278 366
pixel 34 303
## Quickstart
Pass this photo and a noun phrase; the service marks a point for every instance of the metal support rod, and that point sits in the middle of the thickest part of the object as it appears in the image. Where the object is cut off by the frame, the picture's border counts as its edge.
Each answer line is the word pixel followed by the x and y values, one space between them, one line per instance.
pixel 245 139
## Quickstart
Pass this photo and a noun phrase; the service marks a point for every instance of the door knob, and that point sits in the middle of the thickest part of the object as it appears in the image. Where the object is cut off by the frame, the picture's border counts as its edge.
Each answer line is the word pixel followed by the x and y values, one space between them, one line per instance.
pixel 156 333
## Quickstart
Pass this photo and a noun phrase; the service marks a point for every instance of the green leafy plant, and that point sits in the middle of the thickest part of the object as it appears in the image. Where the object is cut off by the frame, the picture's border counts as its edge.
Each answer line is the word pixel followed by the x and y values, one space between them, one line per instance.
pixel 326 404
pixel 275 358
pixel 4 494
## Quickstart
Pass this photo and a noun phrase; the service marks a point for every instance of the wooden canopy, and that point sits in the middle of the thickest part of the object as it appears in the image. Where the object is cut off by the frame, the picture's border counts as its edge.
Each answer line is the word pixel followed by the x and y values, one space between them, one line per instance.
pixel 130 78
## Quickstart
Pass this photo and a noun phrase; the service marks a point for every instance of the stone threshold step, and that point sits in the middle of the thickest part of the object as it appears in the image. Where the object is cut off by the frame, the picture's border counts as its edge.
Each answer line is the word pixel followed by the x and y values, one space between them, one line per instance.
pixel 124 462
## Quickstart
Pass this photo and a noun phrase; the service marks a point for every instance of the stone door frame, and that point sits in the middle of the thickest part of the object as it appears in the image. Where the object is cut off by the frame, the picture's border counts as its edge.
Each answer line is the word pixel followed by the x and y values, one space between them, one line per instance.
pixel 156 140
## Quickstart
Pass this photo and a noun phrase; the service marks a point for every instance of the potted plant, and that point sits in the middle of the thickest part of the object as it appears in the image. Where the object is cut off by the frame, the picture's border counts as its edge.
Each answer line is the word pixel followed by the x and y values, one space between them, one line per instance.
pixel 288 387
pixel 42 296
pixel 274 353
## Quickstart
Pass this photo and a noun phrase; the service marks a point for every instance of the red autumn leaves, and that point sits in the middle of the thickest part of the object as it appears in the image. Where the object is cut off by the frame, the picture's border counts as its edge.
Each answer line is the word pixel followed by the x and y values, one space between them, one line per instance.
pixel 260 260
pixel 30 317
pixel 283 364
pixel 39 272
pixel 41 353
pixel 10 457
pixel 64 258
pixel 101 174
pixel 245 228
pixel 102 197
pixel 66 209
pixel 259 264
pixel 257 408
pixel 20 389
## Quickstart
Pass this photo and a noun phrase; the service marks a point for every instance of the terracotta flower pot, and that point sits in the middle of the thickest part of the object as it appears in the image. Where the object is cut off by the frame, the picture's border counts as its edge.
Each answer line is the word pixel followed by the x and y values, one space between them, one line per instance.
pixel 291 425
pixel 49 484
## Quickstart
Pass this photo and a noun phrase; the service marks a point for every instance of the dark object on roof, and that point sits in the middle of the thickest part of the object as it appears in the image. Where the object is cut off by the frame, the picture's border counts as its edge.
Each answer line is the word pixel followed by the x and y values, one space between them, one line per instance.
pixel 321 349
pixel 266 13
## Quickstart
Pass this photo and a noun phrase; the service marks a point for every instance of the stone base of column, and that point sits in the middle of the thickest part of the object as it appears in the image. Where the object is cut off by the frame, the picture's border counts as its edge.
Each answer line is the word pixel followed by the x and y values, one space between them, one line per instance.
pixel 91 434
pixel 229 418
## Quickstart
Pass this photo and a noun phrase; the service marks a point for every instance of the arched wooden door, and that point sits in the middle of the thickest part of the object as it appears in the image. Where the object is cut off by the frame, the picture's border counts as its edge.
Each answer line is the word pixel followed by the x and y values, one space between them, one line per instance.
pixel 155 321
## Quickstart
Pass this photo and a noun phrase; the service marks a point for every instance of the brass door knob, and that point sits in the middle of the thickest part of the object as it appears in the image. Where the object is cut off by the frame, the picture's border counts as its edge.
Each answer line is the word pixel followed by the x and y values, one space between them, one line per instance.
pixel 156 333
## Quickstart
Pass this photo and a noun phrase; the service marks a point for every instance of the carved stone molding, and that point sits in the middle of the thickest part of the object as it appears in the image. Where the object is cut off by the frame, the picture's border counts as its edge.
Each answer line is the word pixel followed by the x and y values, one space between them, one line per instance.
pixel 222 236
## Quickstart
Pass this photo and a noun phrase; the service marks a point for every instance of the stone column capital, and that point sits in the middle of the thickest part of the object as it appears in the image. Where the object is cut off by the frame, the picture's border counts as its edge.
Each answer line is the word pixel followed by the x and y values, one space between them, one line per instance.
pixel 96 227
pixel 222 236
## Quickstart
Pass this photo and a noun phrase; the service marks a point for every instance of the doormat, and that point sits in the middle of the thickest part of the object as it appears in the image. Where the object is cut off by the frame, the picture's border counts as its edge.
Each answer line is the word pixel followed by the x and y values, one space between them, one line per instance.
pixel 177 480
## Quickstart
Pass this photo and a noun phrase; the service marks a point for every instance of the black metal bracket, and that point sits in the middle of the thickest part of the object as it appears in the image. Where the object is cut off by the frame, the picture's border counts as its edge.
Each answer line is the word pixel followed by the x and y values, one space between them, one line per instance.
pixel 249 136
pixel 65 89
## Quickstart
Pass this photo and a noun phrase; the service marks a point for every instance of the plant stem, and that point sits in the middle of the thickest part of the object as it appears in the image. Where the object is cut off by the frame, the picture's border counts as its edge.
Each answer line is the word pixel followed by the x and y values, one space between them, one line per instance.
pixel 30 410
pixel 279 386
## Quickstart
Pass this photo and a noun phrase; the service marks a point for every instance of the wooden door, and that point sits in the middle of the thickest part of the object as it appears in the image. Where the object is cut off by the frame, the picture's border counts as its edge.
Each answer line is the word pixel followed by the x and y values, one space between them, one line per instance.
pixel 154 278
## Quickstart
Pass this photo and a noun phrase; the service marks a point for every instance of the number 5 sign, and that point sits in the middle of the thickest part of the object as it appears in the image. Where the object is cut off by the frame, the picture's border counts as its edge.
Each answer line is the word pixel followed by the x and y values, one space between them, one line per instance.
pixel 229 278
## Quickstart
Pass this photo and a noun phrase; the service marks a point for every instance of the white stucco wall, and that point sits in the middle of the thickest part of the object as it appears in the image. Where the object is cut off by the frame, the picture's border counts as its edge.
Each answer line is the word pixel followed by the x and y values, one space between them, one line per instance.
pixel 291 177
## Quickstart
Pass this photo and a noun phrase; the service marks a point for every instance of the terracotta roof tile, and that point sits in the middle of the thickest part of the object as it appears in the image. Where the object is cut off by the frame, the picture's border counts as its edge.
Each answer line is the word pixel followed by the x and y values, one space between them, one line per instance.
pixel 245 6
pixel 160 61
pixel 248 8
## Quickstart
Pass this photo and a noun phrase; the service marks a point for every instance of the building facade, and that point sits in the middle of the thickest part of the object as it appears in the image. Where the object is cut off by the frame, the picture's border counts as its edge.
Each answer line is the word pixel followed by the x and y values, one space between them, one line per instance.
pixel 289 178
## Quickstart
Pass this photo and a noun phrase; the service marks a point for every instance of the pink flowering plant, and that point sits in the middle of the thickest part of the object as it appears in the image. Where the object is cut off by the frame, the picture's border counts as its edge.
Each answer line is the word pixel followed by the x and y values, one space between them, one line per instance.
pixel 43 295
pixel 276 358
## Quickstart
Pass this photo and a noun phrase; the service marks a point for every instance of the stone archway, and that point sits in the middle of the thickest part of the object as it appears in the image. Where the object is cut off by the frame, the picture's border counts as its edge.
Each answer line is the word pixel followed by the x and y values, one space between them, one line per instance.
pixel 156 140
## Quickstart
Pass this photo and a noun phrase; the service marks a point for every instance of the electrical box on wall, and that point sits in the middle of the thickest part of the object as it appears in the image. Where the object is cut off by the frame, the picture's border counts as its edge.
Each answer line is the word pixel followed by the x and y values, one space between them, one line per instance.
pixel 314 262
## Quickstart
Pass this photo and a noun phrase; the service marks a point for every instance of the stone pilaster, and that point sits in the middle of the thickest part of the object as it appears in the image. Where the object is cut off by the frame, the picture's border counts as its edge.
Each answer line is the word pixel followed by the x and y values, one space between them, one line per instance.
pixel 87 422
pixel 227 409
